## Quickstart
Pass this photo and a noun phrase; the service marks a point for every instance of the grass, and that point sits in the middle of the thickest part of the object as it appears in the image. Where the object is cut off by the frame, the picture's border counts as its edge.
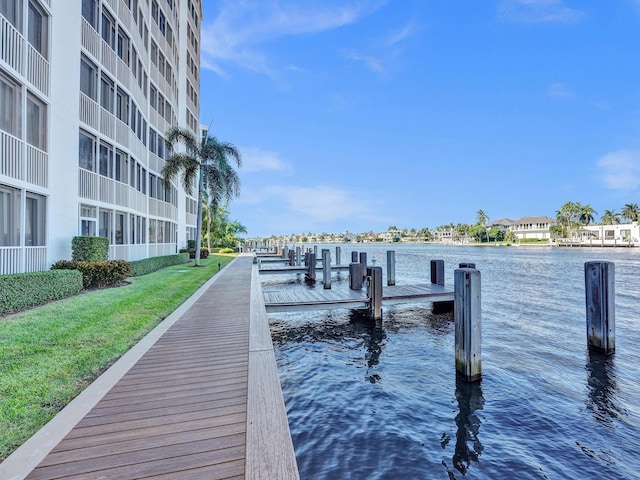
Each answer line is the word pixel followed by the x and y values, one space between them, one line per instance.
pixel 51 353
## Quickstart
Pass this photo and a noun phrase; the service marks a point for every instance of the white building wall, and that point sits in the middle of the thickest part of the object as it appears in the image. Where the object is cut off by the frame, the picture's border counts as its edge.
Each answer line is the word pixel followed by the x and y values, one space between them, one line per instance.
pixel 55 81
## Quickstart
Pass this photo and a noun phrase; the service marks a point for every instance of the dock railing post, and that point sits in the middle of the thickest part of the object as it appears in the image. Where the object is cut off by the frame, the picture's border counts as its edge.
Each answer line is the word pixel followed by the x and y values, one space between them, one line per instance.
pixel 298 258
pixel 437 272
pixel 311 273
pixel 292 258
pixel 338 255
pixel 374 292
pixel 599 279
pixel 315 250
pixel 468 322
pixel 285 252
pixel 391 267
pixel 354 257
pixel 363 261
pixel 355 276
pixel 326 268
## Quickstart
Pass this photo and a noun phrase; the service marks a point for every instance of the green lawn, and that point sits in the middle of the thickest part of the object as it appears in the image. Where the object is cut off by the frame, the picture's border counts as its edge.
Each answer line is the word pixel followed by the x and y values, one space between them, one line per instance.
pixel 51 353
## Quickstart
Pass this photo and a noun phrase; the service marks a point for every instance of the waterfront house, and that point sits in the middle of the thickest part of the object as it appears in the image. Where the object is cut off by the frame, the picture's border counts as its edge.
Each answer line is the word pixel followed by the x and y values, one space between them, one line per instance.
pixel 533 227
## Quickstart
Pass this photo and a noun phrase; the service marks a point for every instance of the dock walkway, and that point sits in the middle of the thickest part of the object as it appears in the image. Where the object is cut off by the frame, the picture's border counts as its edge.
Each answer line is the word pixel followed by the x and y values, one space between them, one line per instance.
pixel 199 397
pixel 319 299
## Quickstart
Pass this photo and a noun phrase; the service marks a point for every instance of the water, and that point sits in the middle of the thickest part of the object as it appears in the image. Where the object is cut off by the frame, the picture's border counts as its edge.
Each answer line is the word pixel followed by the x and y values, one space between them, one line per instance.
pixel 366 402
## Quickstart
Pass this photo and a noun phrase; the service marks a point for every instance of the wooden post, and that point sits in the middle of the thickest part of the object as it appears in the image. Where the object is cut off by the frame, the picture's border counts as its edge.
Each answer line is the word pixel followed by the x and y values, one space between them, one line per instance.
pixel 467 265
pixel 315 250
pixel 306 259
pixel 468 320
pixel 311 273
pixel 298 257
pixel 354 257
pixel 355 276
pixel 326 268
pixel 391 267
pixel 374 292
pixel 599 279
pixel 292 258
pixel 437 272
pixel 338 255
pixel 285 252
pixel 363 261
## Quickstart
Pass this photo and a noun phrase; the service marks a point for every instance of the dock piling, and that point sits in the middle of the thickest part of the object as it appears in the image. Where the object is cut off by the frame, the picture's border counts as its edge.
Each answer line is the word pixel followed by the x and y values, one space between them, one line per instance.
pixel 355 276
pixel 298 257
pixel 311 273
pixel 326 268
pixel 467 265
pixel 599 278
pixel 363 261
pixel 437 272
pixel 374 292
pixel 468 321
pixel 338 255
pixel 391 267
pixel 354 257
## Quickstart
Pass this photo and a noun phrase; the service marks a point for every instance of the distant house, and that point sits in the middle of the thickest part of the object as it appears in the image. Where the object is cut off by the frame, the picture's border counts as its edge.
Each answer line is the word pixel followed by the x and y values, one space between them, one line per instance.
pixel 622 234
pixel 503 224
pixel 533 227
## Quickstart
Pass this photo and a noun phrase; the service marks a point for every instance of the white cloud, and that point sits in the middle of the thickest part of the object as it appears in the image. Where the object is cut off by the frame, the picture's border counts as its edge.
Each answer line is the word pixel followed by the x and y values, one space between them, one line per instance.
pixel 538 11
pixel 240 29
pixel 256 160
pixel 620 170
pixel 372 63
pixel 560 91
pixel 315 203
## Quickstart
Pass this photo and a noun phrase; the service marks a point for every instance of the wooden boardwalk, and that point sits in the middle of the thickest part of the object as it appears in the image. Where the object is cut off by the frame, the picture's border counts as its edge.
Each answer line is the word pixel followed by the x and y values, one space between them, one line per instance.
pixel 203 402
pixel 320 299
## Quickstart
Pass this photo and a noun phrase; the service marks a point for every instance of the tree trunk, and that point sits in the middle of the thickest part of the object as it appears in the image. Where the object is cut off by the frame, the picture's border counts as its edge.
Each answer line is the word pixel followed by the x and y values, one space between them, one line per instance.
pixel 199 219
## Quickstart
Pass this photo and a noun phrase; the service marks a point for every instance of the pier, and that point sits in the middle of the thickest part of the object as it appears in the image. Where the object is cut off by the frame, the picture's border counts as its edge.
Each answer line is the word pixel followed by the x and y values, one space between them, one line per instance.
pixel 198 397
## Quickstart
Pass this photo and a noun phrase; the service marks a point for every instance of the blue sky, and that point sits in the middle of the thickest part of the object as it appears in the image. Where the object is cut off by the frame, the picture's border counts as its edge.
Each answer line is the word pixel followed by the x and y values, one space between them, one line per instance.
pixel 360 114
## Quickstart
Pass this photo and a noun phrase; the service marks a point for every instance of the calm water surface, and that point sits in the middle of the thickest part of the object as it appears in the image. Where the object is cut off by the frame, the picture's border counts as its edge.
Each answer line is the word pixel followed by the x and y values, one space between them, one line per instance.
pixel 367 402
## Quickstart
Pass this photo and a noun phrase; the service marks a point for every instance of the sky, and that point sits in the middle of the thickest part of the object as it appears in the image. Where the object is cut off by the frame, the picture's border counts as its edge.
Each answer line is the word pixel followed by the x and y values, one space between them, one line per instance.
pixel 358 115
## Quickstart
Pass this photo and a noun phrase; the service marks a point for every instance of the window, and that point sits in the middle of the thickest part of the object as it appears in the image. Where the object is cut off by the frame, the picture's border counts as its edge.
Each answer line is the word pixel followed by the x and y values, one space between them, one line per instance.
pixel 152 230
pixel 121 166
pixel 106 160
pixel 134 112
pixel 109 29
pixel 12 11
pixel 10 106
pixel 120 228
pixel 106 93
pixel 36 123
pixel 153 94
pixel 87 221
pixel 160 147
pixel 132 173
pixel 105 225
pixel 123 46
pixel 122 106
pixel 90 12
pixel 152 140
pixel 142 229
pixel 34 229
pixel 89 79
pixel 153 186
pixel 9 216
pixel 132 229
pixel 86 152
pixel 37 29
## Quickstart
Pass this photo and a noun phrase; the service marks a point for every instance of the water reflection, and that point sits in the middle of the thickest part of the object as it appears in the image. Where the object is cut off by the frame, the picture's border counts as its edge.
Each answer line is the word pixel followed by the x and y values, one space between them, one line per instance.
pixel 468 447
pixel 601 382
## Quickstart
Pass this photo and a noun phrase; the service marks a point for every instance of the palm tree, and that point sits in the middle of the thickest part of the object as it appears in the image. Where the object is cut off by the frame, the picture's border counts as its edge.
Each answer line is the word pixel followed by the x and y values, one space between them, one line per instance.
pixel 483 219
pixel 610 217
pixel 630 212
pixel 586 215
pixel 208 161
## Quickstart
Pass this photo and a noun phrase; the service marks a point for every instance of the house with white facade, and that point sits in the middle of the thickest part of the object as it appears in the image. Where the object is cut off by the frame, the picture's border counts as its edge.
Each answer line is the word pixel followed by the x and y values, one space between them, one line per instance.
pixel 532 227
pixel 625 234
pixel 87 90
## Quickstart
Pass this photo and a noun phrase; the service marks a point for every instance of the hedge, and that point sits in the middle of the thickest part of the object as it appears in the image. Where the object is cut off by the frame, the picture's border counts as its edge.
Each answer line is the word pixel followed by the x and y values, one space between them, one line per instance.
pixel 24 290
pixel 150 265
pixel 90 249
pixel 97 274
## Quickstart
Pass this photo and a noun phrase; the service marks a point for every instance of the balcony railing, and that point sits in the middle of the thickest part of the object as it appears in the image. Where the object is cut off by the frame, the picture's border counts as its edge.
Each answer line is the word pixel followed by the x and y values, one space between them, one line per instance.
pixel 91 40
pixel 37 70
pixel 11 156
pixel 11 45
pixel 37 167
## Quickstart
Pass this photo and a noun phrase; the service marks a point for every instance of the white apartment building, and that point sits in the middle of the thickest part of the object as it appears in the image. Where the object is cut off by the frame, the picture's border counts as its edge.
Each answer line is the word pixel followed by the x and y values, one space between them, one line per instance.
pixel 87 90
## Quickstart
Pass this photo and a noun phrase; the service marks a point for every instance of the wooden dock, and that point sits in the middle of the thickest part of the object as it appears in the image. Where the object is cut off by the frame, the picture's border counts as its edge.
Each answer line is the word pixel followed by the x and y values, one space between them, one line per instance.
pixel 320 299
pixel 199 397
pixel 284 269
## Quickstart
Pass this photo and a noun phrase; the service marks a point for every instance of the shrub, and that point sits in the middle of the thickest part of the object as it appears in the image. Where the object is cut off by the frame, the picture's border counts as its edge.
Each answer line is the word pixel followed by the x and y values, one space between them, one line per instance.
pixel 191 244
pixel 97 274
pixel 23 290
pixel 149 265
pixel 226 250
pixel 204 253
pixel 90 249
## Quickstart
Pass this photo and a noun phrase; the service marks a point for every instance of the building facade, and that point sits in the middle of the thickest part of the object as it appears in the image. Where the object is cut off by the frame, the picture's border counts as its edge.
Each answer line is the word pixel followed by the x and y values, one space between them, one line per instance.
pixel 87 90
